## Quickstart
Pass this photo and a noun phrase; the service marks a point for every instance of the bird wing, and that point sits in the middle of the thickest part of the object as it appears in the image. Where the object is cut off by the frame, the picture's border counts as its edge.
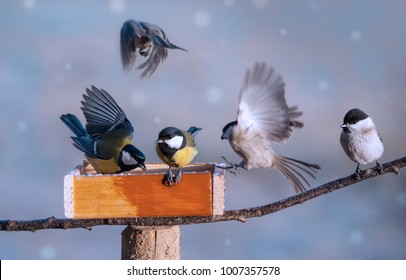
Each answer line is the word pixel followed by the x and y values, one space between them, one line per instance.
pixel 160 48
pixel 103 114
pixel 262 104
pixel 130 29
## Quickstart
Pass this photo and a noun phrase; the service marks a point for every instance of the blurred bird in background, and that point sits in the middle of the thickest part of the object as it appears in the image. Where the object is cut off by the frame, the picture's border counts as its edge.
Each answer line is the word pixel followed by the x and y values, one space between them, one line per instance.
pixel 264 117
pixel 147 38
pixel 177 149
pixel 360 140
pixel 106 141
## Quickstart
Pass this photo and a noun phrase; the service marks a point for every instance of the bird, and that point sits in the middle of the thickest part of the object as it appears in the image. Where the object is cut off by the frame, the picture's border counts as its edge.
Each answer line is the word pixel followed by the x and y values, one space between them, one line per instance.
pixel 360 139
pixel 177 149
pixel 106 140
pixel 263 118
pixel 151 41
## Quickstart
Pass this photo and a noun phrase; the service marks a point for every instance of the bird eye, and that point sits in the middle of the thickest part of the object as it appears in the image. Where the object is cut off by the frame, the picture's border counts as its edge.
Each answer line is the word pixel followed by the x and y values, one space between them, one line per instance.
pixel 354 122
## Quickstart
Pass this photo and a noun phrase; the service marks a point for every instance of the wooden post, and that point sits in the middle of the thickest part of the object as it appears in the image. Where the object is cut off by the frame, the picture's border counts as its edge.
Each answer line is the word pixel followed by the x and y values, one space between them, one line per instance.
pixel 150 243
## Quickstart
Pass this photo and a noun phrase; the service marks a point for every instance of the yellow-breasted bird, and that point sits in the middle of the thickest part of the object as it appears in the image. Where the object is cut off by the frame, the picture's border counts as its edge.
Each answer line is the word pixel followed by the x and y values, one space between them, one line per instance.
pixel 151 41
pixel 106 140
pixel 177 149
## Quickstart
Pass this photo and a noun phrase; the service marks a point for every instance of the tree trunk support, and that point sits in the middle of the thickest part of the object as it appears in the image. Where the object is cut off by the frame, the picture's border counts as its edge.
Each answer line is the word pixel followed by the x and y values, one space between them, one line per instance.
pixel 150 243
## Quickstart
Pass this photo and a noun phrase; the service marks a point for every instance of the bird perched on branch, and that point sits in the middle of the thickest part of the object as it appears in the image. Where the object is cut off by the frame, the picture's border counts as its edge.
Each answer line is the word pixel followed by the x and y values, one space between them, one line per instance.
pixel 177 149
pixel 106 141
pixel 360 140
pixel 147 38
pixel 264 117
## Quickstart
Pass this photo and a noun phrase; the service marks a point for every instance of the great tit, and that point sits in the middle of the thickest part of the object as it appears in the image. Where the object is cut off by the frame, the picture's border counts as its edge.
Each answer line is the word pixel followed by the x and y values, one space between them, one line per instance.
pixel 106 141
pixel 144 36
pixel 360 140
pixel 177 149
pixel 264 117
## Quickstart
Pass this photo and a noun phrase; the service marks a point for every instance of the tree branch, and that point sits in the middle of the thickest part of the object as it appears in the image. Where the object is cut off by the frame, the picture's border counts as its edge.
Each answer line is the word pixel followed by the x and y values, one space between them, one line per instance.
pixel 237 215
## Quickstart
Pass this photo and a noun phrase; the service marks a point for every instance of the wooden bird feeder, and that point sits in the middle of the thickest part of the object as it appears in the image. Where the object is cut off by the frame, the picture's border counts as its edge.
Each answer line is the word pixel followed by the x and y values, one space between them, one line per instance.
pixel 139 193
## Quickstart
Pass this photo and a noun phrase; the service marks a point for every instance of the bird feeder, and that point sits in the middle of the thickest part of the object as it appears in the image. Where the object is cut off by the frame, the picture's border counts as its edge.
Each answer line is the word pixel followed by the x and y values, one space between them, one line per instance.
pixel 139 193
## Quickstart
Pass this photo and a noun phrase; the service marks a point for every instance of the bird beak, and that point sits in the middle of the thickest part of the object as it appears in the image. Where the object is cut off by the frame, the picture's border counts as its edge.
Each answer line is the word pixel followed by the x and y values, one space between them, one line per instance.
pixel 159 141
pixel 142 166
pixel 344 125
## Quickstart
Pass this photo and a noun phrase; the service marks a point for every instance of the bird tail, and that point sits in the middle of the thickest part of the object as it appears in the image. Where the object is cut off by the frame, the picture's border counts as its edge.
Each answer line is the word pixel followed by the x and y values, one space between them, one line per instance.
pixel 74 125
pixel 291 169
pixel 193 130
pixel 82 141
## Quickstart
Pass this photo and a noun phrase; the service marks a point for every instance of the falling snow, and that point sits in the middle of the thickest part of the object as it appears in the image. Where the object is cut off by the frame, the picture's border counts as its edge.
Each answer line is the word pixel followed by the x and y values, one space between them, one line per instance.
pixel 214 95
pixel 260 4
pixel 356 35
pixel 202 18
pixel 117 6
pixel 30 4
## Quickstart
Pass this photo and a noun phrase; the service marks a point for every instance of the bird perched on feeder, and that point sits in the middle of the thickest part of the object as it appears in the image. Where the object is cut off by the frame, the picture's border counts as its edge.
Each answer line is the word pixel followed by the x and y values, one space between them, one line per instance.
pixel 147 38
pixel 264 117
pixel 106 140
pixel 360 140
pixel 177 149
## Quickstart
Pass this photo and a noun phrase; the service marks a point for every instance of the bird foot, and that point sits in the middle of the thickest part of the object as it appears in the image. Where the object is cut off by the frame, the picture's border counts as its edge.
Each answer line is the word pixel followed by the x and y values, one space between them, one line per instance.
pixel 231 167
pixel 171 180
pixel 357 173
pixel 379 167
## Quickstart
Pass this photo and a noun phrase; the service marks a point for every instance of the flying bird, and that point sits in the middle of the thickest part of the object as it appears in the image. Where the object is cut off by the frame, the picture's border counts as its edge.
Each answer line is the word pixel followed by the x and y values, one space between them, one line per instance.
pixel 360 140
pixel 263 117
pixel 149 39
pixel 106 140
pixel 176 148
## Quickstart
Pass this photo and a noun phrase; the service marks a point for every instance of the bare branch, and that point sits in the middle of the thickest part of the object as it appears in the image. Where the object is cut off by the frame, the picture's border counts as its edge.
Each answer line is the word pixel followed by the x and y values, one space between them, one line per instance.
pixel 230 215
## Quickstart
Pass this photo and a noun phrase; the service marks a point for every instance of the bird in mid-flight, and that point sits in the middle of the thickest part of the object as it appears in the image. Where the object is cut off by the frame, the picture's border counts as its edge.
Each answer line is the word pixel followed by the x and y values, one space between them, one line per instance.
pixel 149 39
pixel 106 140
pixel 264 117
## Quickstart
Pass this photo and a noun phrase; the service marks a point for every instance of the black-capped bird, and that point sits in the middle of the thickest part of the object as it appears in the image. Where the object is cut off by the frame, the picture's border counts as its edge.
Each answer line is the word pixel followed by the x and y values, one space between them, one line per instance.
pixel 264 117
pixel 106 140
pixel 147 38
pixel 177 149
pixel 360 139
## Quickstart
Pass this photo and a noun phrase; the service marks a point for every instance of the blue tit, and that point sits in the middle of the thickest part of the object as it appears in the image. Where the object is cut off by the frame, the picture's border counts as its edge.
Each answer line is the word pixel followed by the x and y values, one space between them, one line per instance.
pixel 146 37
pixel 177 149
pixel 106 141
pixel 264 117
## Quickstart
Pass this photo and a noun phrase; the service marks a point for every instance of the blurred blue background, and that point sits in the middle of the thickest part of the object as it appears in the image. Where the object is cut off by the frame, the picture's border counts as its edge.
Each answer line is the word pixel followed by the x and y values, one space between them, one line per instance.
pixel 334 55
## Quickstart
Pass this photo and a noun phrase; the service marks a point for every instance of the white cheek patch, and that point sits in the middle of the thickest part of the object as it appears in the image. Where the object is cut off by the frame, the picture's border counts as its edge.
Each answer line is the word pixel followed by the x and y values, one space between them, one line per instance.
pixel 175 142
pixel 127 158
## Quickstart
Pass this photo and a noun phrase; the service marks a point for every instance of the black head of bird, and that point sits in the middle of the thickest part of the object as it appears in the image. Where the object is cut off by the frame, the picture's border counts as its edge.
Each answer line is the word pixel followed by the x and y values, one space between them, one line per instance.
pixel 177 149
pixel 149 39
pixel 106 140
pixel 264 117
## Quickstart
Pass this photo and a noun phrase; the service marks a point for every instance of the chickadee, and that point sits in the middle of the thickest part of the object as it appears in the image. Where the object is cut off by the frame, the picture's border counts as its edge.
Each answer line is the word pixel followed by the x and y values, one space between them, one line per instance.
pixel 264 117
pixel 144 36
pixel 106 141
pixel 177 149
pixel 360 139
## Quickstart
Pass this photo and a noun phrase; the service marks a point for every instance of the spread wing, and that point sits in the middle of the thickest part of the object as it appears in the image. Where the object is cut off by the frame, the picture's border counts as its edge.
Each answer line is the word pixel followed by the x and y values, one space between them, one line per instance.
pixel 103 114
pixel 262 104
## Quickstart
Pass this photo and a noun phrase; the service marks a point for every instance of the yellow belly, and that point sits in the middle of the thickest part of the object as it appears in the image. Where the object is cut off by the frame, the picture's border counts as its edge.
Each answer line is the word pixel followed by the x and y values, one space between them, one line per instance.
pixel 181 158
pixel 109 166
